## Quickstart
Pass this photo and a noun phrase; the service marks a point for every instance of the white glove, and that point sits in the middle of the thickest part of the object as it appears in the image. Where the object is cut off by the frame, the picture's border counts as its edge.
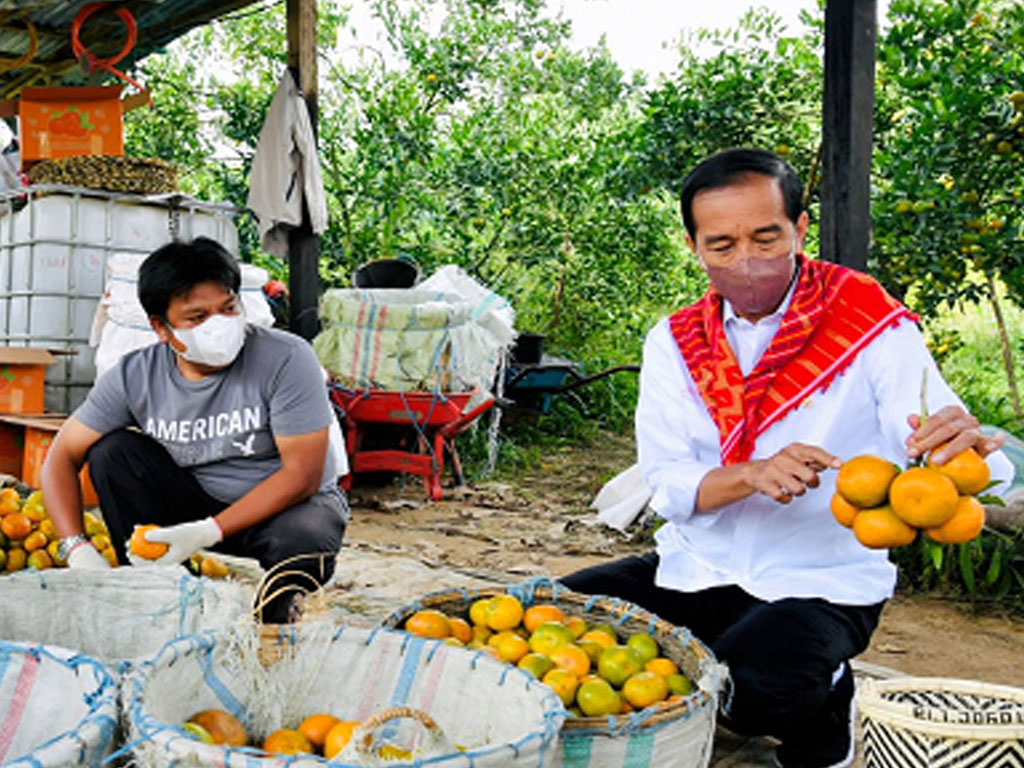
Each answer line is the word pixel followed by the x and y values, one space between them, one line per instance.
pixel 86 557
pixel 184 541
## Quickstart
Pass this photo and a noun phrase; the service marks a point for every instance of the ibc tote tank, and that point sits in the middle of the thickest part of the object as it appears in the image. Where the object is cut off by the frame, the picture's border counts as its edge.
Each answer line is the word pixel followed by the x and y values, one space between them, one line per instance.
pixel 55 242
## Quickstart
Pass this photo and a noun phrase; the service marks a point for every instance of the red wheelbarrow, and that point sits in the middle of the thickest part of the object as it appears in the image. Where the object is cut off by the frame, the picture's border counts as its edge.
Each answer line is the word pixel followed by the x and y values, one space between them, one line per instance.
pixel 435 417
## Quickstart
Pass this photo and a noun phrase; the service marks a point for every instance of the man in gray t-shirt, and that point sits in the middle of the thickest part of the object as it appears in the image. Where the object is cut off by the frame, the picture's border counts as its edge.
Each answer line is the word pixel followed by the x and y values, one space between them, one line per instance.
pixel 219 435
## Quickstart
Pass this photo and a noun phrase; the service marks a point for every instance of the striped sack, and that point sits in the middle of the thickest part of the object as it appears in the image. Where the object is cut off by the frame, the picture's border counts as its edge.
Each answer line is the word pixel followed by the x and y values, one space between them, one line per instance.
pixel 57 707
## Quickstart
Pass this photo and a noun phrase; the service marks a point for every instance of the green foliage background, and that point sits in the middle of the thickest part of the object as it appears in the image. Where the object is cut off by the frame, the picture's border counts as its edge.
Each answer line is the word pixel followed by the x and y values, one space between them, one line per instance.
pixel 480 137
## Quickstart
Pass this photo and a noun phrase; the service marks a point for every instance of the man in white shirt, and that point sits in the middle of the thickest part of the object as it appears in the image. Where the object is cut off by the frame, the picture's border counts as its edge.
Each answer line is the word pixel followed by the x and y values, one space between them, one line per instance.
pixel 785 368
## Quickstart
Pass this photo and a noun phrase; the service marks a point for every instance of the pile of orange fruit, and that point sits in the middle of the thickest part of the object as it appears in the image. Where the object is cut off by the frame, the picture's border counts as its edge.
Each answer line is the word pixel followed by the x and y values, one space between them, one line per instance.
pixel 886 506
pixel 593 670
pixel 318 734
pixel 28 538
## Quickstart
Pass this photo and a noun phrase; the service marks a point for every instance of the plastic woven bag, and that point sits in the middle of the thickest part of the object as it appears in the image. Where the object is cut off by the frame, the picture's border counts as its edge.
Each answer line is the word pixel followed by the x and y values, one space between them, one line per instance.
pixel 116 615
pixel 404 339
pixel 679 734
pixel 58 708
pixel 497 715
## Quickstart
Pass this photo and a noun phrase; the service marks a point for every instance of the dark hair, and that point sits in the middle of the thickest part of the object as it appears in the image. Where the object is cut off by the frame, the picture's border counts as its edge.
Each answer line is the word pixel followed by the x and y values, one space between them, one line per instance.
pixel 729 166
pixel 173 269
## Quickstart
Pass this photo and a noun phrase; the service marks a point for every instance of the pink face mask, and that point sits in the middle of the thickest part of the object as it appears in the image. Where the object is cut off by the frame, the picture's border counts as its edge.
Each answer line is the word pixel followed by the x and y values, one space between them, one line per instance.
pixel 753 285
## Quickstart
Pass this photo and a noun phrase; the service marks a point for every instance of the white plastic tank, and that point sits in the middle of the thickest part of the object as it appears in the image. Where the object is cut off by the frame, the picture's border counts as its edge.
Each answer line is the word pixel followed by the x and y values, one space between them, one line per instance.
pixel 55 242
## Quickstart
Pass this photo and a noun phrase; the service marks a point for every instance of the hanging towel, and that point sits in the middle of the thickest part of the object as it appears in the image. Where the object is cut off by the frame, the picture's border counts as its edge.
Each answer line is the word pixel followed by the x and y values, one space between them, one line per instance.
pixel 286 170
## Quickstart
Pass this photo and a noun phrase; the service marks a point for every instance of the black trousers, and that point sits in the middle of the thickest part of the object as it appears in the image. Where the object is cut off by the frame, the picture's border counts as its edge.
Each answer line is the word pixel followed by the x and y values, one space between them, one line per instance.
pixel 138 482
pixel 781 655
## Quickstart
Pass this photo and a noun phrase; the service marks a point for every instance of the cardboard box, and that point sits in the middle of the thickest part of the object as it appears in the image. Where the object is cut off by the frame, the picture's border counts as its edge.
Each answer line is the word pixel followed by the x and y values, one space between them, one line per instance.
pixel 35 434
pixel 68 121
pixel 22 370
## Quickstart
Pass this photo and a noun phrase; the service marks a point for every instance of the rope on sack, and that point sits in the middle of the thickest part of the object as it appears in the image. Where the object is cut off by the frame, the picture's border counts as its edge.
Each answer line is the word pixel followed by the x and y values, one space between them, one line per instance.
pixel 96 64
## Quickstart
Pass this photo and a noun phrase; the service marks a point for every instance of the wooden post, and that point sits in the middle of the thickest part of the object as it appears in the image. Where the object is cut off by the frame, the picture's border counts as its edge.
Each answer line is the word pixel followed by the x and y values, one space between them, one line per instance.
pixel 303 245
pixel 849 98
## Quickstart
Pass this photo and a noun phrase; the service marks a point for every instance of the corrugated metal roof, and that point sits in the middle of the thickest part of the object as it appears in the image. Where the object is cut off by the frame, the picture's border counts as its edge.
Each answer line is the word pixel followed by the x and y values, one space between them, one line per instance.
pixel 159 22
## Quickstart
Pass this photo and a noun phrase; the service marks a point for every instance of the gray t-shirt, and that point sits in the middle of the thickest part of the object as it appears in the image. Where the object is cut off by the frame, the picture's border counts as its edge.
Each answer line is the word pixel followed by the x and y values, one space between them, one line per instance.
pixel 222 426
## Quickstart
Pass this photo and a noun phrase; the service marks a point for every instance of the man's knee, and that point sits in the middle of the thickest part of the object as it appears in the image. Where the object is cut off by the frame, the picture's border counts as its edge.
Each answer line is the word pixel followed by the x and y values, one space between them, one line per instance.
pixel 310 534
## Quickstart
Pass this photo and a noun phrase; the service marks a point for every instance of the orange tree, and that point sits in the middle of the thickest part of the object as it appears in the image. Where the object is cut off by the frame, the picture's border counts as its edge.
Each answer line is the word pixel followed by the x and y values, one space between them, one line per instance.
pixel 949 135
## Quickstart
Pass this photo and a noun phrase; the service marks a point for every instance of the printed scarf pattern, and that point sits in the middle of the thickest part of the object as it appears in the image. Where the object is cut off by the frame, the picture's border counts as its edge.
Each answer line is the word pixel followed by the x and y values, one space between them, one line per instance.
pixel 835 312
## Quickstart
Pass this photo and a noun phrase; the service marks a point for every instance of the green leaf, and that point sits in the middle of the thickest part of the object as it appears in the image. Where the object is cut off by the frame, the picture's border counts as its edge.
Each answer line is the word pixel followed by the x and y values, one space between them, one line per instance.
pixel 995 566
pixel 935 554
pixel 996 501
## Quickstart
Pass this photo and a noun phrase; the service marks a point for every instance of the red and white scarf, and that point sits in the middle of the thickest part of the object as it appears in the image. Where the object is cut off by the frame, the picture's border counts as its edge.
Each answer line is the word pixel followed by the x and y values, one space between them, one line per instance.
pixel 835 312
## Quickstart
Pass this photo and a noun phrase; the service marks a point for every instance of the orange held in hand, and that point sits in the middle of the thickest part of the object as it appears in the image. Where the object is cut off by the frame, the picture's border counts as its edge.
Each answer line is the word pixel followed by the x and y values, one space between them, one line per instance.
pixel 923 497
pixel 881 528
pixel 964 525
pixel 842 510
pixel 864 480
pixel 967 470
pixel 143 547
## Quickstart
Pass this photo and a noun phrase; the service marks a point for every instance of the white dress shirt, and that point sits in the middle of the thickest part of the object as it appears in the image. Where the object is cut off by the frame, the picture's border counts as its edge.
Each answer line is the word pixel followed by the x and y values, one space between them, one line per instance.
pixel 769 549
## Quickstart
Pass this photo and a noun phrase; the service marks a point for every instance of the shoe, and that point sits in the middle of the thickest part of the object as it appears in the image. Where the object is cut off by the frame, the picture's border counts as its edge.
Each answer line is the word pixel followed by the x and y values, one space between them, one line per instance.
pixel 284 609
pixel 827 740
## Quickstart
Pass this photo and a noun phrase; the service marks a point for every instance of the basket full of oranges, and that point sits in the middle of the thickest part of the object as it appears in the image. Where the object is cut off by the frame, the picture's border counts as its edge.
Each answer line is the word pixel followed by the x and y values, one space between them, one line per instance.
pixel 625 676
pixel 887 506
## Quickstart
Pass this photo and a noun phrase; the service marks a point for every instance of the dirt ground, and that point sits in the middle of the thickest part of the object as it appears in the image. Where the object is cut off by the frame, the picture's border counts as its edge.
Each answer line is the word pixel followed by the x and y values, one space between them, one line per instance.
pixel 539 524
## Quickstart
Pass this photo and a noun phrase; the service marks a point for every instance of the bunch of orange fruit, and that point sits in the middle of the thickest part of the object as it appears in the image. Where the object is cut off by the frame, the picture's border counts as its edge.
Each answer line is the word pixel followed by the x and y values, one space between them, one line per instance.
pixel 886 506
pixel 593 670
pixel 28 538
pixel 319 734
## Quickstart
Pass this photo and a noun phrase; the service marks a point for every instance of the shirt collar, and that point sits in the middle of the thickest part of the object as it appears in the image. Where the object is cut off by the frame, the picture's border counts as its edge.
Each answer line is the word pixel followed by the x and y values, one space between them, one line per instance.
pixel 729 315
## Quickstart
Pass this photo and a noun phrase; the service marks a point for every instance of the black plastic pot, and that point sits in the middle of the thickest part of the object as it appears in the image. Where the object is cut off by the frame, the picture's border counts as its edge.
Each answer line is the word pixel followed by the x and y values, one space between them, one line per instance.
pixel 386 273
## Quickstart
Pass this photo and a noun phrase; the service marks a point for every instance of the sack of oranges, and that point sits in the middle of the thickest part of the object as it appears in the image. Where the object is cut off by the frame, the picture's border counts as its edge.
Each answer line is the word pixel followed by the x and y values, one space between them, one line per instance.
pixel 348 695
pixel 887 506
pixel 620 671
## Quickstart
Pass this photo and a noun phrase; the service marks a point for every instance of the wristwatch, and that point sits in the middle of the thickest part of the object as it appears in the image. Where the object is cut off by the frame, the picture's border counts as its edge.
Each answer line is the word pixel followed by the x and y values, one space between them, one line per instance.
pixel 68 543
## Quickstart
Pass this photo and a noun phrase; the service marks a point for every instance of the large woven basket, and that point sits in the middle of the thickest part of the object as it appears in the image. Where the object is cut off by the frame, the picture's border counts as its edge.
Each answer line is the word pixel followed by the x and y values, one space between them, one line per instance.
pixel 679 734
pixel 941 723
pixel 113 173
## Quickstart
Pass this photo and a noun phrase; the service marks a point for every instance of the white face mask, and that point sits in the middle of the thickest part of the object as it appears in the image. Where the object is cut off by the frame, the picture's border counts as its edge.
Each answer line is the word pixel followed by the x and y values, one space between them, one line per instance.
pixel 215 342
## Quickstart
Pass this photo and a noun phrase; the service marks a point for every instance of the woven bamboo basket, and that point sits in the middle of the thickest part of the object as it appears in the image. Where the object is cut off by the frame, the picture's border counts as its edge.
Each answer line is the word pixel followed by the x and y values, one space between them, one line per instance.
pixel 113 173
pixel 679 733
pixel 941 723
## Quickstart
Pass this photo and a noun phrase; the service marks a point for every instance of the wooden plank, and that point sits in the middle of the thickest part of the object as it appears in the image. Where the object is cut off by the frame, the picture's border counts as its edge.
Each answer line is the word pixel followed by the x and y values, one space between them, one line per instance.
pixel 303 245
pixel 849 97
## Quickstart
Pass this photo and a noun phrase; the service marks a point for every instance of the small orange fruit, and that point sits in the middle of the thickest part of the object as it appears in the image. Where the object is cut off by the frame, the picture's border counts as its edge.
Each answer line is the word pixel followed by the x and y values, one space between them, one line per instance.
pixel 143 547
pixel 16 559
pixel 679 685
pixel 39 560
pixel 536 615
pixel 619 663
pixel 15 526
pixel 461 630
pixel 965 524
pixel 881 528
pixel 644 644
pixel 571 657
pixel 662 666
pixel 34 512
pixel 315 728
pixel 504 612
pixel 52 550
pixel 923 497
pixel 287 742
pixel 222 726
pixel 536 664
pixel 968 471
pixel 338 737
pixel 563 682
pixel 110 555
pixel 10 501
pixel 645 688
pixel 842 510
pixel 213 567
pixel 577 624
pixel 429 623
pixel 548 636
pixel 597 698
pixel 864 481
pixel 47 527
pixel 511 647
pixel 593 650
pixel 602 639
pixel 478 611
pixel 35 540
